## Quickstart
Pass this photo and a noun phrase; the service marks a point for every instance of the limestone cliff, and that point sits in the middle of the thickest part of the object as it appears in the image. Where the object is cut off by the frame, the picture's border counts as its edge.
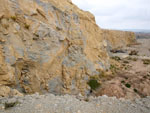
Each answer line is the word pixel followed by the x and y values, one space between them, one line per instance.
pixel 52 45
pixel 118 38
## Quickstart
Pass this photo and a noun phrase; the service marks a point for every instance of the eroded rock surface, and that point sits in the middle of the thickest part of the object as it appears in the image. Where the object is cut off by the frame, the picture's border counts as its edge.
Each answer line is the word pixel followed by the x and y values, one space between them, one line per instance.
pixel 52 46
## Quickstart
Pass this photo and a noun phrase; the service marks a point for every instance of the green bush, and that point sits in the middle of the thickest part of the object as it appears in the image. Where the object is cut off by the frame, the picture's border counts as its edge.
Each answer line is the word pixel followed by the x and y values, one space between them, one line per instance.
pixel 127 85
pixel 93 84
pixel 135 90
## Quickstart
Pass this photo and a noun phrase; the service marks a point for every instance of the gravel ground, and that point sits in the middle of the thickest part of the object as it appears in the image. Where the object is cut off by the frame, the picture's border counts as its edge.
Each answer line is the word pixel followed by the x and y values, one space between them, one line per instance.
pixel 50 103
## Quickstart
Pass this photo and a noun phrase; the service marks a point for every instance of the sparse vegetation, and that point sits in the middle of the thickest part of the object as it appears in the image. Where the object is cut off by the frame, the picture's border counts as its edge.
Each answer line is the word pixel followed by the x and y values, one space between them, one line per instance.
pixel 123 81
pixel 86 99
pixel 125 68
pixel 135 90
pixel 128 85
pixel 116 58
pixel 93 83
pixel 133 52
pixel 146 61
pixel 129 58
pixel 125 61
pixel 27 26
pixel 10 105
pixel 133 59
pixel 14 18
pixel 113 68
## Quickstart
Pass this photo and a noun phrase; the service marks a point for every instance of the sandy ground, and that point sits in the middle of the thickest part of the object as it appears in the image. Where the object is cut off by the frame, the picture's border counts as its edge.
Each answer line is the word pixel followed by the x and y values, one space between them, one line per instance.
pixel 133 77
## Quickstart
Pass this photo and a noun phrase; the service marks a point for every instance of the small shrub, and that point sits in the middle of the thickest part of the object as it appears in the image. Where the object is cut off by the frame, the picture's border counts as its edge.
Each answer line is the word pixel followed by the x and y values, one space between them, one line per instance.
pixel 125 68
pixel 93 84
pixel 135 90
pixel 146 61
pixel 14 18
pixel 27 26
pixel 86 99
pixel 10 105
pixel 129 58
pixel 123 81
pixel 116 58
pixel 126 62
pixel 113 69
pixel 127 85
pixel 133 59
pixel 133 52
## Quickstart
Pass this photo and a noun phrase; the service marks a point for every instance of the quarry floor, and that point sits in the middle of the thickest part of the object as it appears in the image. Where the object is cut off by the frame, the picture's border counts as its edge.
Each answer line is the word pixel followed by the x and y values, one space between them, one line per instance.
pixel 128 89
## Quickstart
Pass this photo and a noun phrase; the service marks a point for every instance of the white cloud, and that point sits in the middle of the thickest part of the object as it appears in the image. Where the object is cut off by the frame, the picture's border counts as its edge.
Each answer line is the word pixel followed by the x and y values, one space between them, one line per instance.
pixel 118 14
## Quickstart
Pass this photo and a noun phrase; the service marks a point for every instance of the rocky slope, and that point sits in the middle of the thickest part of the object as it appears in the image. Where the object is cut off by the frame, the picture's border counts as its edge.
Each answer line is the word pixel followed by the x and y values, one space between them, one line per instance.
pixel 52 46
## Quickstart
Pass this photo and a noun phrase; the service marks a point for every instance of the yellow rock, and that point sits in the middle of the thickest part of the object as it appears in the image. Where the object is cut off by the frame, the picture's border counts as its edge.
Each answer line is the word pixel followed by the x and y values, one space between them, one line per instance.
pixel 4 91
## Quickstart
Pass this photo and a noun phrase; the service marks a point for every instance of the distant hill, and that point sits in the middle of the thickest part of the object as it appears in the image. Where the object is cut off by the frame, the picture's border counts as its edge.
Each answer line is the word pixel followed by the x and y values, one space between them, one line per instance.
pixel 138 30
pixel 140 33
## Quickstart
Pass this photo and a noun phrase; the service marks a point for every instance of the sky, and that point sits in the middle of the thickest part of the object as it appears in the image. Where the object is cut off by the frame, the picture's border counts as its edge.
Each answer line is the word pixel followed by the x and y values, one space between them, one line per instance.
pixel 118 14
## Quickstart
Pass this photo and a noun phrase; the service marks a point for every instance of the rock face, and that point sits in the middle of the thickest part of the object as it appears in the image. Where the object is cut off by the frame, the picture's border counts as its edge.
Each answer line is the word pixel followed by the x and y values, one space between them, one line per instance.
pixel 118 38
pixel 52 45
